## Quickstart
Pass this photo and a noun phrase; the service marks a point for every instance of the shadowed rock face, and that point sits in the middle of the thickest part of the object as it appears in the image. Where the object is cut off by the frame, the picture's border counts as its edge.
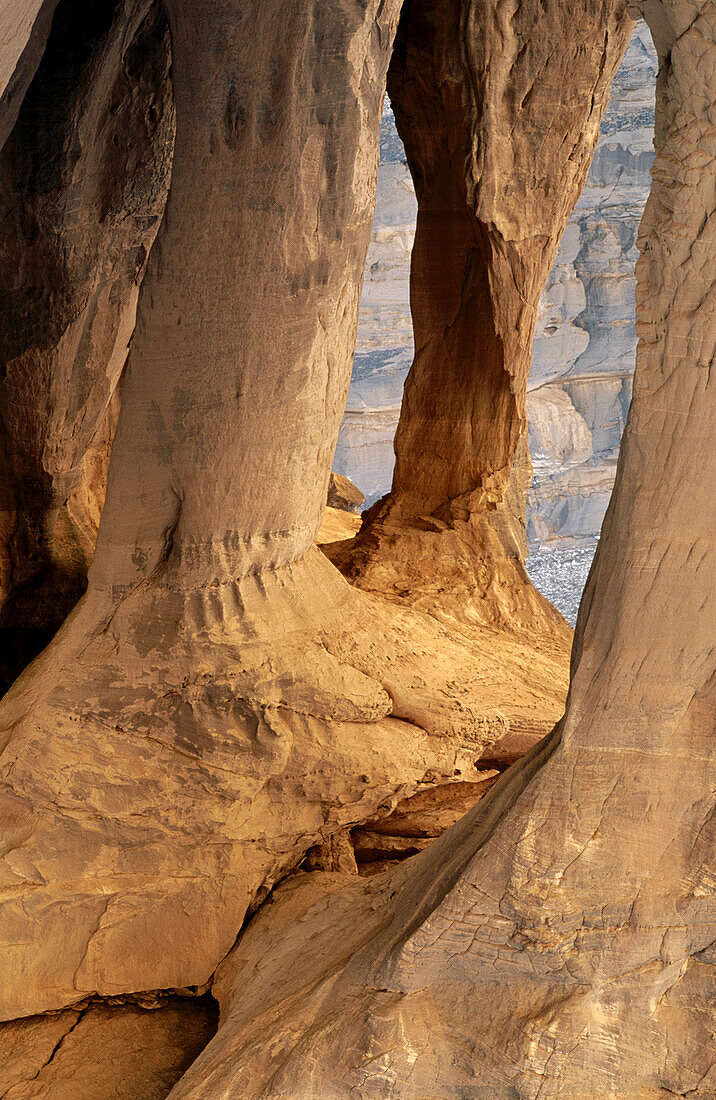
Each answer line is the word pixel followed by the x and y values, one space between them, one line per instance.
pixel 558 941
pixel 84 179
pixel 104 1052
pixel 26 26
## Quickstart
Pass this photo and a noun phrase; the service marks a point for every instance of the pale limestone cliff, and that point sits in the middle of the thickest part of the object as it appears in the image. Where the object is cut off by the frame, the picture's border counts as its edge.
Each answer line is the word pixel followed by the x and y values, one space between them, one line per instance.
pixel 585 341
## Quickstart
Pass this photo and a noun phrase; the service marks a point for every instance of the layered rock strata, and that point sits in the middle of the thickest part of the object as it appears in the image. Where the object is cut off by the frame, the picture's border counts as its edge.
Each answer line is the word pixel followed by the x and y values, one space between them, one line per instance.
pixel 221 700
pixel 585 343
pixel 559 940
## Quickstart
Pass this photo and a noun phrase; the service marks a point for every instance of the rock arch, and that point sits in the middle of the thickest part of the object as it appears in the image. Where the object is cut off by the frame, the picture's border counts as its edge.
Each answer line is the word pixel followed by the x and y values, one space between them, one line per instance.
pixel 557 942
pixel 499 112
pixel 217 701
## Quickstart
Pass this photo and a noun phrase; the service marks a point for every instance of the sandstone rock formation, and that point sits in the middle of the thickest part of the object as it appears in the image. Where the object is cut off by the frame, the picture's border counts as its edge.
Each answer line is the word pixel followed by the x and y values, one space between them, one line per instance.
pixel 223 708
pixel 337 524
pixel 559 940
pixel 584 329
pixel 121 1051
pixel 499 156
pixel 384 343
pixel 84 180
pixel 26 26
pixel 342 493
pixel 584 343
pixel 221 700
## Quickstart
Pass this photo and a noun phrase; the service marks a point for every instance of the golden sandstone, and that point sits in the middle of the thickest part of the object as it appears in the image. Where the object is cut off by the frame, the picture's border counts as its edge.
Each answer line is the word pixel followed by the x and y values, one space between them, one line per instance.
pixel 352 791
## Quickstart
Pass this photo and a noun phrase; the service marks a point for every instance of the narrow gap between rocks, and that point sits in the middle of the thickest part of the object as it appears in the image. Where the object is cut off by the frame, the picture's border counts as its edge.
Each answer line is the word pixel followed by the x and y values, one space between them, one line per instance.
pixel 584 348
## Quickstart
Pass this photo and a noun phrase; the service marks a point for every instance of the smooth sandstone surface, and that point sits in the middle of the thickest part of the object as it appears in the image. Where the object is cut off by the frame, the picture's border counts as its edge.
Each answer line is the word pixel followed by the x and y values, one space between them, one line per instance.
pixel 558 941
pixel 221 699
pixel 337 524
pixel 222 710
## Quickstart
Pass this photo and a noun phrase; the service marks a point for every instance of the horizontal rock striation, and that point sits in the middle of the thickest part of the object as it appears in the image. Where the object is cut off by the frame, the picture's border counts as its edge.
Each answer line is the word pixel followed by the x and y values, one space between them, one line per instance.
pixel 585 342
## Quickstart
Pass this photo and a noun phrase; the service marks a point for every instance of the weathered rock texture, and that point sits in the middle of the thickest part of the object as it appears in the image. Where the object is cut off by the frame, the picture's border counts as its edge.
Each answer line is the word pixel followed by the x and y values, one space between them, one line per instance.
pixel 84 178
pixel 222 704
pixel 342 493
pixel 499 117
pixel 103 1052
pixel 221 700
pixel 337 524
pixel 558 941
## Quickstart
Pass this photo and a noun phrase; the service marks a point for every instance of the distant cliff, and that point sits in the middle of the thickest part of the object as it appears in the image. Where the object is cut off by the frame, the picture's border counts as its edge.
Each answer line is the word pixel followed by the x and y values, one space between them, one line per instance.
pixel 585 342
pixel 584 349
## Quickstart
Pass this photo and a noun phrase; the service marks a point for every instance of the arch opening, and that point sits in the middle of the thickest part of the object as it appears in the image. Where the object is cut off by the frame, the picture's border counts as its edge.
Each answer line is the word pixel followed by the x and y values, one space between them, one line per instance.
pixel 584 347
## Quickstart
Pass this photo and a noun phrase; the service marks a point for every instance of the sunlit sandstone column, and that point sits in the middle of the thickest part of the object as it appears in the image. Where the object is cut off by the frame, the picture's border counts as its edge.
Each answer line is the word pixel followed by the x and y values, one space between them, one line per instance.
pixel 241 358
pixel 221 699
pixel 164 758
pixel 559 941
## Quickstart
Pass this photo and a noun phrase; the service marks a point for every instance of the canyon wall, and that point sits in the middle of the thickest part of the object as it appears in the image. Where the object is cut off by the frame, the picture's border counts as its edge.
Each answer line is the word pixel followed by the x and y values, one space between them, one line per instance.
pixel 585 340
